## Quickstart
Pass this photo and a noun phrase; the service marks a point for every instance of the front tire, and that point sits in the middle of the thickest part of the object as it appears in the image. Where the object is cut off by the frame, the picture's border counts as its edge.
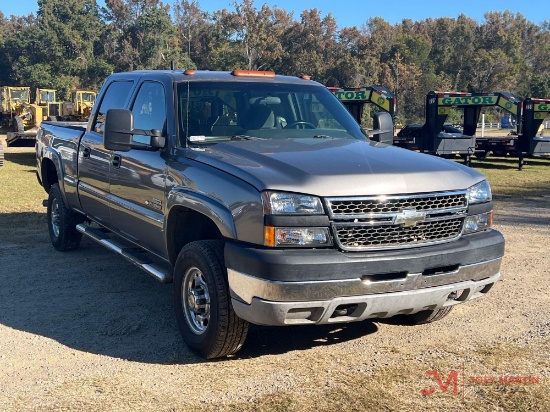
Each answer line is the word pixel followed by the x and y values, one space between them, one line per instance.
pixel 62 222
pixel 428 316
pixel 202 305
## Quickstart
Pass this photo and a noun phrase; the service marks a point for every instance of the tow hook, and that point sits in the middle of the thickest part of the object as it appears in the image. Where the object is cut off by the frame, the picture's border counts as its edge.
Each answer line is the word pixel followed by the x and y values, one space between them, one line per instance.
pixel 45 203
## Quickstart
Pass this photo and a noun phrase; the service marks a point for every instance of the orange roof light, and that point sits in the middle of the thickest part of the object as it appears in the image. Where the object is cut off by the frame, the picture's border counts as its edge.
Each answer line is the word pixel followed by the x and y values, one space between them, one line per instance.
pixel 305 77
pixel 252 73
pixel 189 72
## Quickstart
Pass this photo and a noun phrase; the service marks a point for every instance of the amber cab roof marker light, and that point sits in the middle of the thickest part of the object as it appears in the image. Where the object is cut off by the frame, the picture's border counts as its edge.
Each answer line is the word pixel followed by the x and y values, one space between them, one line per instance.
pixel 305 77
pixel 252 73
pixel 189 72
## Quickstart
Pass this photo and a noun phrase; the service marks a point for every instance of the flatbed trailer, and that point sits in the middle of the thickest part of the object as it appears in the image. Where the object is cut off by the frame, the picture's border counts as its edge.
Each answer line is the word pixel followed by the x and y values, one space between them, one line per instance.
pixel 21 139
pixel 432 140
pixel 527 142
pixel 497 146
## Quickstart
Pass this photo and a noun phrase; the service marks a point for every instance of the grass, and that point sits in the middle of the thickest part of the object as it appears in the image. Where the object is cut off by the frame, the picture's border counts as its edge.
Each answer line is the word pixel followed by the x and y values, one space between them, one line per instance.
pixel 22 216
pixel 533 181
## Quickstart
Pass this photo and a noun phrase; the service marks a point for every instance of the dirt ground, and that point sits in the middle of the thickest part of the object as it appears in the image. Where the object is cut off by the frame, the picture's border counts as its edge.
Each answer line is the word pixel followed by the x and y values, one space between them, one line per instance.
pixel 86 330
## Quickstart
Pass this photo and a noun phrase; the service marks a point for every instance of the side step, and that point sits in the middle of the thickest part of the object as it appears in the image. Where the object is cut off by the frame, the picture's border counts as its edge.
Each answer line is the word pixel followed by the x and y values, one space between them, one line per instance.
pixel 130 253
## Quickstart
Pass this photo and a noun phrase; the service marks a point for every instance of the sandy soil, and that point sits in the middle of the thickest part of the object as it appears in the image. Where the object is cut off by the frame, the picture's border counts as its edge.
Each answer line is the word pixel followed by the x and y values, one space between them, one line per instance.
pixel 86 330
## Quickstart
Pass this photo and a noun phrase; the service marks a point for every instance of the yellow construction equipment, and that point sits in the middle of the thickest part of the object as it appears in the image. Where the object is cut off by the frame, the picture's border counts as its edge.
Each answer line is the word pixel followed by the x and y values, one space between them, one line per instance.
pixel 47 106
pixel 14 107
pixel 80 106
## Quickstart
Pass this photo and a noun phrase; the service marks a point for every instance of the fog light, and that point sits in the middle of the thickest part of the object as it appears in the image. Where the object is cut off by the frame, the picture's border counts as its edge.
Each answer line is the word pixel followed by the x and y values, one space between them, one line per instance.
pixel 477 223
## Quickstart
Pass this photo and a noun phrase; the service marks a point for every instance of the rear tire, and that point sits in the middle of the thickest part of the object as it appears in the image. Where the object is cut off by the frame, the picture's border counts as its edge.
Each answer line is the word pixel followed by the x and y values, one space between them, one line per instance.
pixel 62 222
pixel 428 316
pixel 202 305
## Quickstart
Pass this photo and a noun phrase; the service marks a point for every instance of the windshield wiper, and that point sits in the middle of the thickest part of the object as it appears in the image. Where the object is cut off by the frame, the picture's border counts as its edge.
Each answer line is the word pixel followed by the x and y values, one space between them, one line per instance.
pixel 245 137
pixel 322 136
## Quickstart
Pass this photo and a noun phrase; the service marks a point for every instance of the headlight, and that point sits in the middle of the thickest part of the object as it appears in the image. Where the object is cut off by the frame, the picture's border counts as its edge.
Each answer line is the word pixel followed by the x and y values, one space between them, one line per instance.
pixel 297 236
pixel 277 203
pixel 479 193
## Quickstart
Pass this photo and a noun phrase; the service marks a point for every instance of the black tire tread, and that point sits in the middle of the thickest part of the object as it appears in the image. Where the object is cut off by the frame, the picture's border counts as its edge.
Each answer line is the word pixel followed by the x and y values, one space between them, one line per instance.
pixel 232 330
pixel 237 328
pixel 69 238
pixel 424 317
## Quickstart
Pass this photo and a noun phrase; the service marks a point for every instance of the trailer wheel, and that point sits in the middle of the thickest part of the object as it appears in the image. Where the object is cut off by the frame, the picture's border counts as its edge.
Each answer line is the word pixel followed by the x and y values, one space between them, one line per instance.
pixel 484 154
pixel 428 316
pixel 62 222
pixel 205 317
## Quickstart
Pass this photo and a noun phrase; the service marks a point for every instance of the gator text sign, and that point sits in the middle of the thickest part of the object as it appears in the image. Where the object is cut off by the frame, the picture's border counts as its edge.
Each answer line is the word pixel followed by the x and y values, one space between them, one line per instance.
pixel 458 101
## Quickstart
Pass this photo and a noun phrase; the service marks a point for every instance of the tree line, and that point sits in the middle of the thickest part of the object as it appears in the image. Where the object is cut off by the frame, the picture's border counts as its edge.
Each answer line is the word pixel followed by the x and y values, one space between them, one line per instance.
pixel 76 44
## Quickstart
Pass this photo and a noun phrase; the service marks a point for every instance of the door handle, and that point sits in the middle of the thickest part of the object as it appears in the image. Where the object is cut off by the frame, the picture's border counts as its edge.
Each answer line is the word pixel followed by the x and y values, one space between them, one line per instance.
pixel 117 161
pixel 86 153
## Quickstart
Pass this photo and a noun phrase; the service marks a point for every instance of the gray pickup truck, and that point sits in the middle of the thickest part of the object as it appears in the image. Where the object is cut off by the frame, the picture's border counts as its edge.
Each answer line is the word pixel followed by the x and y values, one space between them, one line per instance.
pixel 263 201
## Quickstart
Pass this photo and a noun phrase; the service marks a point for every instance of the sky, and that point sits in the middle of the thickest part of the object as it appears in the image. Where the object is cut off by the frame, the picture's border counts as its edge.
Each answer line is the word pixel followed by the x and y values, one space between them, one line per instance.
pixel 356 12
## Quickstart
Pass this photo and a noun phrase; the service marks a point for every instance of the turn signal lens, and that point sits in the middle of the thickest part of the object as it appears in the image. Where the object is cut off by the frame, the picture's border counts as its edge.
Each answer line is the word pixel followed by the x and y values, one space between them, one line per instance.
pixel 297 236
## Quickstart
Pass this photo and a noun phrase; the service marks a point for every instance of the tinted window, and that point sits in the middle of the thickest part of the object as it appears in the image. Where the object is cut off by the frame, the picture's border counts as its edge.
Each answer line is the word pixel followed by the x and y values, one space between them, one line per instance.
pixel 114 98
pixel 214 111
pixel 149 109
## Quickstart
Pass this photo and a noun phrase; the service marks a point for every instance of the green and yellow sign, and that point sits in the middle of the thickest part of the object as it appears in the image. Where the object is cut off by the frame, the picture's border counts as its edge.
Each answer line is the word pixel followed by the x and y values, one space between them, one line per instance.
pixel 467 100
pixel 363 95
pixel 349 95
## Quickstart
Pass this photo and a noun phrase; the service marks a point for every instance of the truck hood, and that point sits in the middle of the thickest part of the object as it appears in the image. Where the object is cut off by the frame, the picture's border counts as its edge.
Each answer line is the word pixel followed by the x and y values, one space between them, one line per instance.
pixel 335 167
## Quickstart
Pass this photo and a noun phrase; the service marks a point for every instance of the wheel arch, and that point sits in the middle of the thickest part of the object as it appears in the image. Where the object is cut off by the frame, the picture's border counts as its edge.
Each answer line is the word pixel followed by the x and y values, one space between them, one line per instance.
pixel 194 217
pixel 50 173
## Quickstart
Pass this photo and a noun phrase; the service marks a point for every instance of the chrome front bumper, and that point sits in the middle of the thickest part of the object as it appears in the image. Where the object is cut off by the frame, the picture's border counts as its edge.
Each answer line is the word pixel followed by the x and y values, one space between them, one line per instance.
pixel 282 303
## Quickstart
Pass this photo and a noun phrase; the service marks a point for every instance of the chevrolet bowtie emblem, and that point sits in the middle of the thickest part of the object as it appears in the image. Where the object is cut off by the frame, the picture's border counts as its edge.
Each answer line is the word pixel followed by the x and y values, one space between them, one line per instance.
pixel 409 218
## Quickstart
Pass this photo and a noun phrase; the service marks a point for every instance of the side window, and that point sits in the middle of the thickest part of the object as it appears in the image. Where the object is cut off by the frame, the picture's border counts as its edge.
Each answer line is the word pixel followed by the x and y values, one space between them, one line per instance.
pixel 149 109
pixel 114 98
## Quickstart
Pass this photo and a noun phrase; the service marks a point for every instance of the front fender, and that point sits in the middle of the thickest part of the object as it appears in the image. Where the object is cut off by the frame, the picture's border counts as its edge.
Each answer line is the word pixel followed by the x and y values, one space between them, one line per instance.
pixel 207 206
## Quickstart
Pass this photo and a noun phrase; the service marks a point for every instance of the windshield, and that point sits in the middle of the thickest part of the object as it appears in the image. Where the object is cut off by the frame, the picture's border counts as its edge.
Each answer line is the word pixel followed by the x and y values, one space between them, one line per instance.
pixel 88 97
pixel 217 111
pixel 47 96
pixel 20 95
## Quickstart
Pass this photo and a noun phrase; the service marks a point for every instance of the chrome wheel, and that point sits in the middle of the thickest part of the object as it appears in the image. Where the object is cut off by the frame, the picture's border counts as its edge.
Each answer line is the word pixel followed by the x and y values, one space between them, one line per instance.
pixel 54 217
pixel 195 300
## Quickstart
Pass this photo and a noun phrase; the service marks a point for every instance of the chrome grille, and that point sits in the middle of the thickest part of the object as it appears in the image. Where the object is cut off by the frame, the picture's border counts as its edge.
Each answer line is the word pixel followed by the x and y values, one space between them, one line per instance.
pixel 383 204
pixel 385 222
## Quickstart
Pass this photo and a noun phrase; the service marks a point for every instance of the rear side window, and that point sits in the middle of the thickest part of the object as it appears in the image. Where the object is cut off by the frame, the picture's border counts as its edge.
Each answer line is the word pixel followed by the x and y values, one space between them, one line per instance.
pixel 114 98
